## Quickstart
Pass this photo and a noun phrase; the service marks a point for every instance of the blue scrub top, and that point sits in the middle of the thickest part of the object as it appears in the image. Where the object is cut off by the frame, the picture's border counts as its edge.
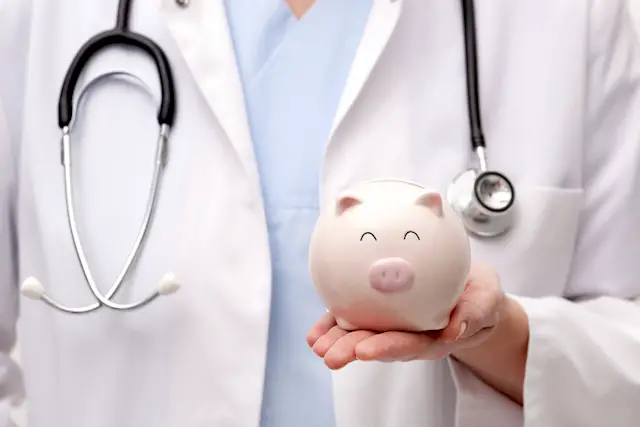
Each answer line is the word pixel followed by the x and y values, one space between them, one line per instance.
pixel 293 73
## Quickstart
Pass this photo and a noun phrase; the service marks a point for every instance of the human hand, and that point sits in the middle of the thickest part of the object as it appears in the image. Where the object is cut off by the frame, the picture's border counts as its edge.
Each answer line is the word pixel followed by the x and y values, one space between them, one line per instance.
pixel 473 319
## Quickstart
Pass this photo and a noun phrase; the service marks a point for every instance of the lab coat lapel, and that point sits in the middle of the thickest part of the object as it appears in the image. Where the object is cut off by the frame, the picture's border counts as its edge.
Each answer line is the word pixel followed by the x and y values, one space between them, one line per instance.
pixel 201 31
pixel 382 22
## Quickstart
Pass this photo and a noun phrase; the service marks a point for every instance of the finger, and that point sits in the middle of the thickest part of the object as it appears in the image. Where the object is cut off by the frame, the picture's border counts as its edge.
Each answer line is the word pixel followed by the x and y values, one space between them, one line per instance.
pixel 467 318
pixel 326 341
pixel 476 310
pixel 475 339
pixel 454 330
pixel 344 350
pixel 390 346
pixel 324 325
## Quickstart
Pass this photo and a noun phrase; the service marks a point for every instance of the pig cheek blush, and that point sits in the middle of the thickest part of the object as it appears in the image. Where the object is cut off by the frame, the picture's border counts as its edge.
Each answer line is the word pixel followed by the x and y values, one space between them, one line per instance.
pixel 389 255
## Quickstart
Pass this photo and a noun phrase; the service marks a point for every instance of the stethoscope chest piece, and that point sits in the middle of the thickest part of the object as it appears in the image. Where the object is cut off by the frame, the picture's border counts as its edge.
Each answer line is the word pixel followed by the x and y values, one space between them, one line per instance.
pixel 484 200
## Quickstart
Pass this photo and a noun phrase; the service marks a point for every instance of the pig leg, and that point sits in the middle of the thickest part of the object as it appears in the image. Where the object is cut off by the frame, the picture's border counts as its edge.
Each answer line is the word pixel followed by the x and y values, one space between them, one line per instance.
pixel 345 325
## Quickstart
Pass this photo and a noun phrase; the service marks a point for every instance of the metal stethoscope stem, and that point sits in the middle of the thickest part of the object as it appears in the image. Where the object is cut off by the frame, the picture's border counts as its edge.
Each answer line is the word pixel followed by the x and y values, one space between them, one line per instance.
pixel 160 161
pixel 481 154
pixel 168 284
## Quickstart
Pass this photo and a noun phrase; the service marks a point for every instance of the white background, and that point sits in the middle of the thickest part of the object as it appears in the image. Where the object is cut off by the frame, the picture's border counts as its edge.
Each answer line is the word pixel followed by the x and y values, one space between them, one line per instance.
pixel 20 417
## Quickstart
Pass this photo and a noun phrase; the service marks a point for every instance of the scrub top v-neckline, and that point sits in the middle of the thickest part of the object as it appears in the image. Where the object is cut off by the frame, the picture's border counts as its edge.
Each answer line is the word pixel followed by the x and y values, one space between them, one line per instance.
pixel 268 25
pixel 293 73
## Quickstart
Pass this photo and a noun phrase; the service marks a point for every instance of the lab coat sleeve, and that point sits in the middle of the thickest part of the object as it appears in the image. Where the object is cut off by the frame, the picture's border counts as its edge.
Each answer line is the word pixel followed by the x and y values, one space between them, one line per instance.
pixel 11 390
pixel 583 366
pixel 13 48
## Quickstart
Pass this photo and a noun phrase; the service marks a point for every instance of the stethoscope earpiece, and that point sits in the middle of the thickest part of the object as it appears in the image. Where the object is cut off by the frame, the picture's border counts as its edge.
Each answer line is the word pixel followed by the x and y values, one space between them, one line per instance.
pixel 169 284
pixel 32 288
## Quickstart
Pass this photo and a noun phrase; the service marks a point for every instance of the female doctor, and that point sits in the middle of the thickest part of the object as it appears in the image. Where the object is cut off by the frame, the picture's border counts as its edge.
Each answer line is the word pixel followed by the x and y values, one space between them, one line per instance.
pixel 280 106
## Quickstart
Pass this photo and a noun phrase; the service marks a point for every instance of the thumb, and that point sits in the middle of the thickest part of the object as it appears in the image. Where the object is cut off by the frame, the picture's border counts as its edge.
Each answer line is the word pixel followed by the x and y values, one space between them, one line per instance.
pixel 467 318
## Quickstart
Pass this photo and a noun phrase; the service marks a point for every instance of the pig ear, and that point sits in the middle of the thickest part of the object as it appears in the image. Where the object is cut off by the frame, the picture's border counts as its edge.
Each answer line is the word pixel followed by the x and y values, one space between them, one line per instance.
pixel 431 200
pixel 345 203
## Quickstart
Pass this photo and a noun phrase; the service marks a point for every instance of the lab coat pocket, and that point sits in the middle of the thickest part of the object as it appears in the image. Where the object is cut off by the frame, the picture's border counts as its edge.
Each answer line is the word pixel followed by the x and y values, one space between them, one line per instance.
pixel 534 257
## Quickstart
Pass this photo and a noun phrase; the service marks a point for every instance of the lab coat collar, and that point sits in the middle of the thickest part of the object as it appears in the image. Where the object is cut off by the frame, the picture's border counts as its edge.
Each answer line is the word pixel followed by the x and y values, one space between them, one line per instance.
pixel 202 33
pixel 382 22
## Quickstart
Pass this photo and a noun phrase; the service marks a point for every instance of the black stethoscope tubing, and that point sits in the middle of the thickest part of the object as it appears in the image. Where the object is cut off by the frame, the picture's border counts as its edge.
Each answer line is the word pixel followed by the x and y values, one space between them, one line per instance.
pixel 471 55
pixel 121 34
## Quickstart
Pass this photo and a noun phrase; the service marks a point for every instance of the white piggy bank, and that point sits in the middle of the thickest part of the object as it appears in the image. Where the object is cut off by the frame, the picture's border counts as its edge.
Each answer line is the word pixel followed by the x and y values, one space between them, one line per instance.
pixel 390 255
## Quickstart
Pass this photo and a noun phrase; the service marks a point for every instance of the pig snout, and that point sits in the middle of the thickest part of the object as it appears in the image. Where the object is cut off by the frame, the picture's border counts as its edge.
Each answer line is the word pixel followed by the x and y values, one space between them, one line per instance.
pixel 391 275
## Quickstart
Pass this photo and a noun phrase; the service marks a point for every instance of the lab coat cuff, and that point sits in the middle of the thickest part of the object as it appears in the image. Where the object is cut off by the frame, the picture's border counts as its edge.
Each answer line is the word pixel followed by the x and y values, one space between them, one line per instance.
pixel 478 404
pixel 542 339
pixel 547 341
pixel 546 347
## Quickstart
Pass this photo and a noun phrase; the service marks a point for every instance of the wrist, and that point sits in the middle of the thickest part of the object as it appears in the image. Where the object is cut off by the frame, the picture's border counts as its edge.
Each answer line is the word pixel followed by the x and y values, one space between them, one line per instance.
pixel 500 360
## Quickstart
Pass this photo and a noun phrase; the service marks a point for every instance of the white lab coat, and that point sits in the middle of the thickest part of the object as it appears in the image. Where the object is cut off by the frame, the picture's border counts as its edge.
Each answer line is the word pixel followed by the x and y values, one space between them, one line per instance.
pixel 560 85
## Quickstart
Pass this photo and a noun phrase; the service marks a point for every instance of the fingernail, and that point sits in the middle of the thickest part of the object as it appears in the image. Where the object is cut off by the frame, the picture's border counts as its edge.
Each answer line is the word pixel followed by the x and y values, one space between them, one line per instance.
pixel 463 327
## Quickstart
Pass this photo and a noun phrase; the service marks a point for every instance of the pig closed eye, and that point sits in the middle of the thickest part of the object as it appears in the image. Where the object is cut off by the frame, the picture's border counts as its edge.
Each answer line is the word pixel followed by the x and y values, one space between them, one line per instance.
pixel 368 234
pixel 411 233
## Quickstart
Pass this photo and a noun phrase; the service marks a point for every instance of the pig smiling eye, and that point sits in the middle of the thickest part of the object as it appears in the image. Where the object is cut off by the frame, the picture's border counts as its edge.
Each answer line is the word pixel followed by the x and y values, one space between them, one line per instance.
pixel 370 234
pixel 411 232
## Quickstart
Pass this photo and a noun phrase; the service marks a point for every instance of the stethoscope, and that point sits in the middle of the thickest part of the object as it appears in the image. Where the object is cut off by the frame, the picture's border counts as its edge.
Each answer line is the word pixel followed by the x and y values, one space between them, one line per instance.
pixel 482 198
pixel 120 35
